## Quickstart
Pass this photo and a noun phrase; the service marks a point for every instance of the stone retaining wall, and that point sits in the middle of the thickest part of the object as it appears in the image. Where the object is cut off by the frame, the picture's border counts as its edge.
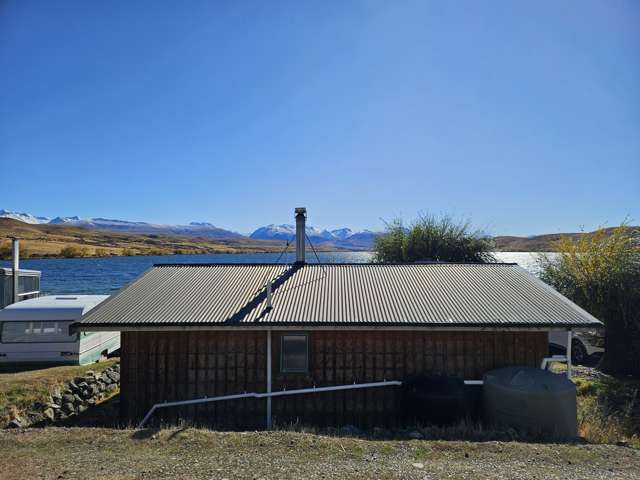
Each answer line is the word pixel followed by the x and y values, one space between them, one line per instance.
pixel 74 398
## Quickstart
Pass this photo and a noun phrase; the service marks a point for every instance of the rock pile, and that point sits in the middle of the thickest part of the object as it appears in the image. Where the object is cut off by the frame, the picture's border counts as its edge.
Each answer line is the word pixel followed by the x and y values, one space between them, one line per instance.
pixel 73 398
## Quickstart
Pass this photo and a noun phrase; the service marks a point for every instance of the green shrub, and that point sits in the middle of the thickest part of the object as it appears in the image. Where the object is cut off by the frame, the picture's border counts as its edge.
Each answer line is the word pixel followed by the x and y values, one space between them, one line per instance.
pixel 432 239
pixel 601 273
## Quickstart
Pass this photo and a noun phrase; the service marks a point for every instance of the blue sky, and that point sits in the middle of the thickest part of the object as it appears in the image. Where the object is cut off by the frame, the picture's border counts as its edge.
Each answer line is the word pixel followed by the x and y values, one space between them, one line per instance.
pixel 521 116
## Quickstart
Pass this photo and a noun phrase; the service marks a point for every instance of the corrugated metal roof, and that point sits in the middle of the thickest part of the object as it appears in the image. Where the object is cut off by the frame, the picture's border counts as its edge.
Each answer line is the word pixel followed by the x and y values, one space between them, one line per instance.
pixel 437 294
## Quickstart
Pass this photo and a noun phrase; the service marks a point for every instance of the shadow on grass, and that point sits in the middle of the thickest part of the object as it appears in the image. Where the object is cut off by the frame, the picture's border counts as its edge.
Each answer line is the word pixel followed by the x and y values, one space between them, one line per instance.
pixel 30 367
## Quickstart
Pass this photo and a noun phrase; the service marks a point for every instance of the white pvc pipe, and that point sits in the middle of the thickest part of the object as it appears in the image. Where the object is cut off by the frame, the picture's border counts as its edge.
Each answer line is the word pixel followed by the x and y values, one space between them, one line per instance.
pixel 474 382
pixel 267 395
pixel 569 341
pixel 555 358
pixel 28 293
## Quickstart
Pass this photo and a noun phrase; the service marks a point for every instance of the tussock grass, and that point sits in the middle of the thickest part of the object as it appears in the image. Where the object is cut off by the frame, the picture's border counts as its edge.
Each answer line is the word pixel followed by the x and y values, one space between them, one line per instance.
pixel 19 391
pixel 609 410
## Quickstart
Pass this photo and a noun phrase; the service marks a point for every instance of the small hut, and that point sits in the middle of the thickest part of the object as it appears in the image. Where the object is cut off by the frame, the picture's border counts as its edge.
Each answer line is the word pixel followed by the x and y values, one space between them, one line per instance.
pixel 251 331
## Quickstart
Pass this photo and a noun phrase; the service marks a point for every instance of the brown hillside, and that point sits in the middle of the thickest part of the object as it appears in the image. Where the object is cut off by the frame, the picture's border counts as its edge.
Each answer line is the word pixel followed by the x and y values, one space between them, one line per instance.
pixel 61 240
pixel 539 243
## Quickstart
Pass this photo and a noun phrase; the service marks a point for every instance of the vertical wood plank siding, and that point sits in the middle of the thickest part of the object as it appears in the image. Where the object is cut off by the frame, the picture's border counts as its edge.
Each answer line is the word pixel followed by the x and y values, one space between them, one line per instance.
pixel 168 366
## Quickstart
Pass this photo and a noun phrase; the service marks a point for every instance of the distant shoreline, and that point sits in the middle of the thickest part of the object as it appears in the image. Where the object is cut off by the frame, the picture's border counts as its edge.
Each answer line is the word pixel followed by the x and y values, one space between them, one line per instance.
pixel 249 252
pixel 42 241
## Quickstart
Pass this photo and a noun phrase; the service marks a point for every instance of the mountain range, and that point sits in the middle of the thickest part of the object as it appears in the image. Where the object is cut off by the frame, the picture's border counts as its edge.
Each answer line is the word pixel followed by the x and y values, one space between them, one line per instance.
pixel 341 238
pixel 46 237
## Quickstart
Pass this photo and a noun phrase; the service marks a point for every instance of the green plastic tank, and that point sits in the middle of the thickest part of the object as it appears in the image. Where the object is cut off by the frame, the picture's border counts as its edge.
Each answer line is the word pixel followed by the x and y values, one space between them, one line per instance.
pixel 531 399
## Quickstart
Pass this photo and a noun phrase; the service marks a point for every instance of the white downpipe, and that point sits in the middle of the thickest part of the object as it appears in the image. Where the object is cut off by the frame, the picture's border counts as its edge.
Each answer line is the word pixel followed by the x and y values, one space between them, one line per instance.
pixel 268 395
pixel 569 338
pixel 269 423
pixel 282 393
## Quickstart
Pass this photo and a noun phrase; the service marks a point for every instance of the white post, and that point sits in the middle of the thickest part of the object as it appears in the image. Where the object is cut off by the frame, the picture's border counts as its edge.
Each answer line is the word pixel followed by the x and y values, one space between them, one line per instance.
pixel 15 253
pixel 569 338
pixel 269 379
pixel 269 304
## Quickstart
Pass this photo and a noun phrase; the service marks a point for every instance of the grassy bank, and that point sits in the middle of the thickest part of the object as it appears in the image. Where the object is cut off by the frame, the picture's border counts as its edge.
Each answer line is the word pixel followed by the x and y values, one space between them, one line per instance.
pixel 20 390
pixel 68 453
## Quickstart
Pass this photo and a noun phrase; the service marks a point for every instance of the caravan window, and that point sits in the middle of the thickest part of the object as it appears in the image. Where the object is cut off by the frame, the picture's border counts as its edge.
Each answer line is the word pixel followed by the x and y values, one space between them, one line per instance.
pixel 35 332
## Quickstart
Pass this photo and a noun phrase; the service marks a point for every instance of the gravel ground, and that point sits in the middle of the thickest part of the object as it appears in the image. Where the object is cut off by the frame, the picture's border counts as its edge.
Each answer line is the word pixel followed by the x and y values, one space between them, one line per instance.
pixel 98 453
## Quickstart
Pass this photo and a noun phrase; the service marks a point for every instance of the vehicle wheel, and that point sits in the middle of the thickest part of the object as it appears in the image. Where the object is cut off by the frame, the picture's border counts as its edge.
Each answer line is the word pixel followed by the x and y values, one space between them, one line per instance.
pixel 578 352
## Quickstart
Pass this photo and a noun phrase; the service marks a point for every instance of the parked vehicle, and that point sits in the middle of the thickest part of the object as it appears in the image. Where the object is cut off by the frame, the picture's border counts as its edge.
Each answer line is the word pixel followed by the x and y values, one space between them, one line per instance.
pixel 584 344
pixel 37 331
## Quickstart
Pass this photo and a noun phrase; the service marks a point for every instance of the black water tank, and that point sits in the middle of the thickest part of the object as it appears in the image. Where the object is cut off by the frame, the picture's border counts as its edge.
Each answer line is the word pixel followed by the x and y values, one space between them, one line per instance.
pixel 531 399
pixel 435 400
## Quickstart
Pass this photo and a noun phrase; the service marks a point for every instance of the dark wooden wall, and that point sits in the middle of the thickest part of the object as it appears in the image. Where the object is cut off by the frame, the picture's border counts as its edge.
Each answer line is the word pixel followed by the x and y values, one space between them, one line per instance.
pixel 159 366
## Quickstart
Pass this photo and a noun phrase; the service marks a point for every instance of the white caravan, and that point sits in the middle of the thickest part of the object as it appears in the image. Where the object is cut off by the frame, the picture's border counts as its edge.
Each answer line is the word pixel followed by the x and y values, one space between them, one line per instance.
pixel 37 331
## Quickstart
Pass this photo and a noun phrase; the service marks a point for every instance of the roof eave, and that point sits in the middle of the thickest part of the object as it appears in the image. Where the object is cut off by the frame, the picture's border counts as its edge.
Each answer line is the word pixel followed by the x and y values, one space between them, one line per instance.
pixel 190 326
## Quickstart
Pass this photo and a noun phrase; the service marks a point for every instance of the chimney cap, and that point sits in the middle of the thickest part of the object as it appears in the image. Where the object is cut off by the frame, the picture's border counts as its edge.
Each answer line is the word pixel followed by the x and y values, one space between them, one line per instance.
pixel 301 211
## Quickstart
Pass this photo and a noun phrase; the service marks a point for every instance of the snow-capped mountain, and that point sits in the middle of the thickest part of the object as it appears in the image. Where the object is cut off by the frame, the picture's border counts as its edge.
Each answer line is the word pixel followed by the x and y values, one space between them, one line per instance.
pixel 342 233
pixel 288 232
pixel 342 237
pixel 194 229
pixel 23 217
pixel 274 232
pixel 363 240
pixel 63 220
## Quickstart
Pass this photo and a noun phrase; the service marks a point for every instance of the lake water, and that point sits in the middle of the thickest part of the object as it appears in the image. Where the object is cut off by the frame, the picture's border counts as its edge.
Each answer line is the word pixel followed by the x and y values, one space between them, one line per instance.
pixel 108 274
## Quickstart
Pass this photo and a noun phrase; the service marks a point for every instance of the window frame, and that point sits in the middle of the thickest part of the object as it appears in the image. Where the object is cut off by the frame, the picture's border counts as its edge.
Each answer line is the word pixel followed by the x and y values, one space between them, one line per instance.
pixel 282 342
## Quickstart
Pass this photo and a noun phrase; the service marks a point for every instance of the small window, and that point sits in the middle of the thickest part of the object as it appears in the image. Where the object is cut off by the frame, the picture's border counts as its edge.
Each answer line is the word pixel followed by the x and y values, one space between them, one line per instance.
pixel 295 353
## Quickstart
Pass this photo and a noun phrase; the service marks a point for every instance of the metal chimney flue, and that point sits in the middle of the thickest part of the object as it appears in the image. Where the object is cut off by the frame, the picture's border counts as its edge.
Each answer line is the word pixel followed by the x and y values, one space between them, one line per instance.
pixel 301 220
pixel 15 255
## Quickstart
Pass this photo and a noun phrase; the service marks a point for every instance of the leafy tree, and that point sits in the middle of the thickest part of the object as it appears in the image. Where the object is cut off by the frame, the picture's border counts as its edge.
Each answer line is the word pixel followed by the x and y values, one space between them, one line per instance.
pixel 6 251
pixel 601 273
pixel 432 239
pixel 73 251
